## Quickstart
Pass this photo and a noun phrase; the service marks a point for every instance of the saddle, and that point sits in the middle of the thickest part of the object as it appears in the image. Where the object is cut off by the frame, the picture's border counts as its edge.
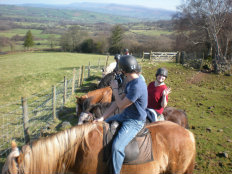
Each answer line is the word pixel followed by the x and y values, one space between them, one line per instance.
pixel 138 151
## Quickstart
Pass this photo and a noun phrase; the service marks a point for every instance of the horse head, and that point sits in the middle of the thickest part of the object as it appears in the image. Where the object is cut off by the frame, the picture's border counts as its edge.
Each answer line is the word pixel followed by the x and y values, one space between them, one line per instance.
pixel 79 104
pixel 93 112
pixel 12 161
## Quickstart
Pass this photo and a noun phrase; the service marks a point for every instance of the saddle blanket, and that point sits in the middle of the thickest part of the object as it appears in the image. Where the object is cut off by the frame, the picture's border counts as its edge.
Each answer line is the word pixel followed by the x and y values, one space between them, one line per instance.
pixel 138 151
pixel 153 116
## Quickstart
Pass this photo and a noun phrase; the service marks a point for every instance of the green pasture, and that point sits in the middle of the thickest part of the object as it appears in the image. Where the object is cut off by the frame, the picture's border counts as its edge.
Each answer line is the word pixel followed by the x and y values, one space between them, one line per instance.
pixel 41 40
pixel 23 74
pixel 22 32
pixel 150 32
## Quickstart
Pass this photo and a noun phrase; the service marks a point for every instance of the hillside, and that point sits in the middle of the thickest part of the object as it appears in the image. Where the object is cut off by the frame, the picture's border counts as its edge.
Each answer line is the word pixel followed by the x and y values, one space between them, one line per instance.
pixel 42 14
pixel 133 11
pixel 82 13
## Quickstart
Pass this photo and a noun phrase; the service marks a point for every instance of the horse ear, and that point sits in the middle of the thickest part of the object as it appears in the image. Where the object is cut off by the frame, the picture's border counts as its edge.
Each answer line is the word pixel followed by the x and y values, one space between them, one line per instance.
pixel 84 97
pixel 78 99
pixel 13 145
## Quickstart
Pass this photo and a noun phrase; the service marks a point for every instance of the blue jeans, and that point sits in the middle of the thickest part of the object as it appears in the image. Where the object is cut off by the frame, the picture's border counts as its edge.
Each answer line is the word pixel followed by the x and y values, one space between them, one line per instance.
pixel 127 132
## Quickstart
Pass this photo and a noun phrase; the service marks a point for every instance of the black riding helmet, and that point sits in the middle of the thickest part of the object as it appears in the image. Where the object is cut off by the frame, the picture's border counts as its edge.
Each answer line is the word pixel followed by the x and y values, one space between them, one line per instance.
pixel 117 57
pixel 162 71
pixel 128 64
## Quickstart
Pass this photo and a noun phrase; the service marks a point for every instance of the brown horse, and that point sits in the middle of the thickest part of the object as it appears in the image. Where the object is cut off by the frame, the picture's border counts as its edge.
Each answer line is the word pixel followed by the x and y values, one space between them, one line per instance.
pixel 176 115
pixel 80 150
pixel 103 95
pixel 92 112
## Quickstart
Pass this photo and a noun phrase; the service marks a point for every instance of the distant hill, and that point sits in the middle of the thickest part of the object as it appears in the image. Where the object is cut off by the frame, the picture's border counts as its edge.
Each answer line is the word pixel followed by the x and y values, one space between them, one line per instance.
pixel 138 12
pixel 43 14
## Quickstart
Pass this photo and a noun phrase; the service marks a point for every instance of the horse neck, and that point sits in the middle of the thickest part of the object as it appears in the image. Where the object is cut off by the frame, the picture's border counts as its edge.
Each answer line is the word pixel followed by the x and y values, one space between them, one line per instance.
pixel 56 153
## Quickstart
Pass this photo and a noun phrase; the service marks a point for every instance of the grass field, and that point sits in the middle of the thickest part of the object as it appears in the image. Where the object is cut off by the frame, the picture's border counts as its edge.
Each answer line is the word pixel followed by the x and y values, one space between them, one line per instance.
pixel 206 98
pixel 151 32
pixel 23 74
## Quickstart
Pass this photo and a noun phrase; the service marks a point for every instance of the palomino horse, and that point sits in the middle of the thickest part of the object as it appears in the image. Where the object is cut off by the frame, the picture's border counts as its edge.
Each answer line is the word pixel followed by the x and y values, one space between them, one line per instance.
pixel 92 112
pixel 80 150
pixel 103 95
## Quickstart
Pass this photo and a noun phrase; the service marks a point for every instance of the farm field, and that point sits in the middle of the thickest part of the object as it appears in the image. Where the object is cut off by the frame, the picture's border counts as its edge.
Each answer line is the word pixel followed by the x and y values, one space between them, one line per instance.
pixel 151 32
pixel 206 98
pixel 23 74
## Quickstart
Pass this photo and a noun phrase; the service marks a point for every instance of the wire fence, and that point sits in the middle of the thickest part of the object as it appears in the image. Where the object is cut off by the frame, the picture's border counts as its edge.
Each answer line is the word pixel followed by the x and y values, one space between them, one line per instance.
pixel 25 119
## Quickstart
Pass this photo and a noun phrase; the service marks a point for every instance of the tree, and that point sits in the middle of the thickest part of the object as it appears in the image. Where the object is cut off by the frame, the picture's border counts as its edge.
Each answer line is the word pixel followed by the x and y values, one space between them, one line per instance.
pixel 116 39
pixel 205 19
pixel 28 41
pixel 71 40
pixel 88 46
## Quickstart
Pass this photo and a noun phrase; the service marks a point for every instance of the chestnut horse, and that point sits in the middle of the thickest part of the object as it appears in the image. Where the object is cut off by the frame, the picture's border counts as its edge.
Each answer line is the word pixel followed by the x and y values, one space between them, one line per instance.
pixel 80 150
pixel 103 95
pixel 176 115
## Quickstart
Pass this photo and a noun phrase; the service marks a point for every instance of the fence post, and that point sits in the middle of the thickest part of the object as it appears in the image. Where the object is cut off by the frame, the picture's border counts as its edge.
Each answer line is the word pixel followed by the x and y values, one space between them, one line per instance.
pixel 54 102
pixel 73 80
pixel 89 70
pixel 82 74
pixel 202 61
pixel 143 56
pixel 99 63
pixel 65 91
pixel 25 119
pixel 107 59
pixel 150 56
pixel 79 78
pixel 178 57
pixel 182 57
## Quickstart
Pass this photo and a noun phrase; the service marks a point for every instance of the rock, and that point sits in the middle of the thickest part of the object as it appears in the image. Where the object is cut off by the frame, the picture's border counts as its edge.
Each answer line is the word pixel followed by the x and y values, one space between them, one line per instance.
pixel 220 130
pixel 224 154
pixel 230 141
pixel 208 129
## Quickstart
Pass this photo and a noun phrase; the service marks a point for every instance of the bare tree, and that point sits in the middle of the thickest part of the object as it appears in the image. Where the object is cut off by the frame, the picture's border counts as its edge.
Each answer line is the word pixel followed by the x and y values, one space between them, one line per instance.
pixel 207 18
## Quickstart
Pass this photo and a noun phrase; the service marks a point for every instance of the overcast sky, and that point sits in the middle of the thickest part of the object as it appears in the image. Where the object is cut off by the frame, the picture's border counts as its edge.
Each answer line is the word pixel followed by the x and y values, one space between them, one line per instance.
pixel 164 4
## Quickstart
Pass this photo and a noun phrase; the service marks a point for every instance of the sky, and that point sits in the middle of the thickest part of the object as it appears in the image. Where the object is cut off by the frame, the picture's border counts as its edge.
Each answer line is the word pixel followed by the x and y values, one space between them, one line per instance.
pixel 164 4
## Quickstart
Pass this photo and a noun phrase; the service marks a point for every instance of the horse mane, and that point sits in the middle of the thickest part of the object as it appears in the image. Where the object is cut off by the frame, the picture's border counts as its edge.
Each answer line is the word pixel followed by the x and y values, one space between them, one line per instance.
pixel 87 103
pixel 98 109
pixel 105 81
pixel 56 153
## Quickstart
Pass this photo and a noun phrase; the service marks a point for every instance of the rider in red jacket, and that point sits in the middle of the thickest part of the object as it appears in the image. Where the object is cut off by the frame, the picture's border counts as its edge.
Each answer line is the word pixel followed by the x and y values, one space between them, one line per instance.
pixel 158 92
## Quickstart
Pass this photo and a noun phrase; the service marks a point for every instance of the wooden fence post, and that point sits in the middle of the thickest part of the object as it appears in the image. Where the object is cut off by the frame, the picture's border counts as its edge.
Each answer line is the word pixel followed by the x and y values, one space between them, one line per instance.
pixel 89 70
pixel 73 80
pixel 25 120
pixel 82 74
pixel 99 63
pixel 54 102
pixel 178 57
pixel 65 91
pixel 202 61
pixel 107 59
pixel 150 56
pixel 182 57
pixel 79 78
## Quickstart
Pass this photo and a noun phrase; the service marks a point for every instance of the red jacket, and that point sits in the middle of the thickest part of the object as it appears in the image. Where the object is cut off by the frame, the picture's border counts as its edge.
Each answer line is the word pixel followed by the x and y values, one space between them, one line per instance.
pixel 155 95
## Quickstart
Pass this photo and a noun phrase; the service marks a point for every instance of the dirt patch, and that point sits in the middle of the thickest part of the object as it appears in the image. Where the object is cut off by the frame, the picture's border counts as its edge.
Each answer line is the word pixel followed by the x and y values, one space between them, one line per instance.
pixel 197 78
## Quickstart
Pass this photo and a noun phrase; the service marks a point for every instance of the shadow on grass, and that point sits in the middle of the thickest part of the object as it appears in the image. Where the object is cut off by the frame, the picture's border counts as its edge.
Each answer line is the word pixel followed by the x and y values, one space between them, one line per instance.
pixel 93 67
pixel 88 85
